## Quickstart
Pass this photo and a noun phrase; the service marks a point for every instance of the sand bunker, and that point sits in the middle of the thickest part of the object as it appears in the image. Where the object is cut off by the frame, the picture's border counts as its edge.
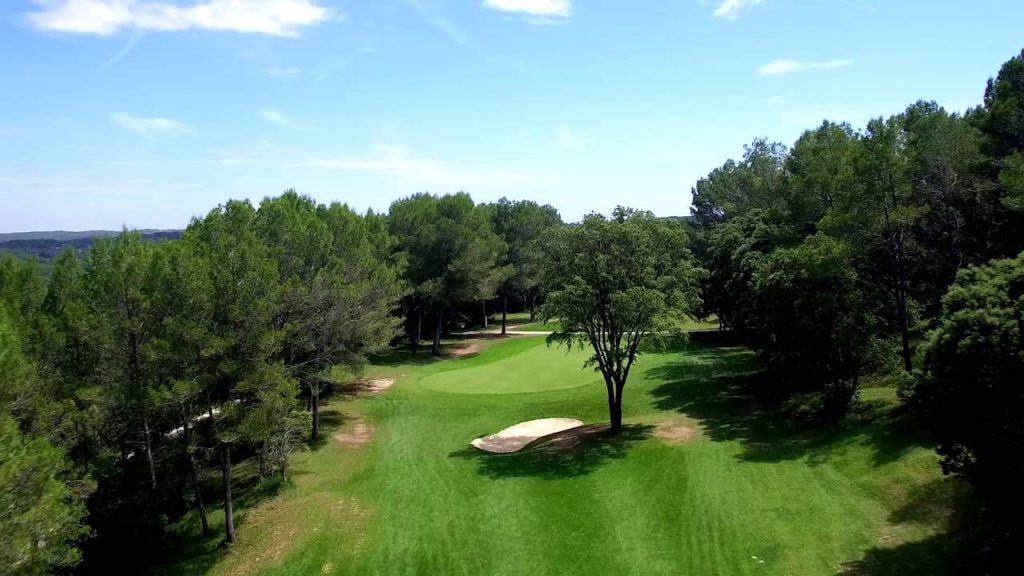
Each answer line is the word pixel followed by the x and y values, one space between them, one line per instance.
pixel 514 438
pixel 379 385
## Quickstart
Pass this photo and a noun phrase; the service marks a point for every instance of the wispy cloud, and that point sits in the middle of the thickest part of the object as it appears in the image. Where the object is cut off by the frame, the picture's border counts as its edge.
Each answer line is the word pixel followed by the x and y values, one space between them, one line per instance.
pixel 278 118
pixel 788 66
pixel 107 17
pixel 283 72
pixel 569 141
pixel 148 126
pixel 542 11
pixel 429 12
pixel 397 160
pixel 730 9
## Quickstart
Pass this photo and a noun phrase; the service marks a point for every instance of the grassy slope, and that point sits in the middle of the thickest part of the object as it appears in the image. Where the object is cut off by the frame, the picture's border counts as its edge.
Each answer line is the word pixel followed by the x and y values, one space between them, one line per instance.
pixel 417 501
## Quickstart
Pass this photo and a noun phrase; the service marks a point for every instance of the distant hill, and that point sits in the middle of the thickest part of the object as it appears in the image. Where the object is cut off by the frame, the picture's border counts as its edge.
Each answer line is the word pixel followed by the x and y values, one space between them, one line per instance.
pixel 45 246
pixel 65 235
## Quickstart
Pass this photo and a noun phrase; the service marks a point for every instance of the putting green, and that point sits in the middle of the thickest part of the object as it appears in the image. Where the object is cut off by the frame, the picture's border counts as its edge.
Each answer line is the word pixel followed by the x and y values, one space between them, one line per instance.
pixel 529 366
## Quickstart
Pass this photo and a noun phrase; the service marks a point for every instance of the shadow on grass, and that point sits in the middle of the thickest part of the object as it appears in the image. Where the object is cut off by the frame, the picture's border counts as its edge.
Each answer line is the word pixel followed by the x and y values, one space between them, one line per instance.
pixel 563 455
pixel 932 557
pixel 196 553
pixel 736 400
pixel 946 502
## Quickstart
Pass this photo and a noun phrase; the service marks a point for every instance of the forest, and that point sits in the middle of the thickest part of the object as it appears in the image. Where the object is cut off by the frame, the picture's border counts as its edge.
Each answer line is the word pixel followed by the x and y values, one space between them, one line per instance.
pixel 135 375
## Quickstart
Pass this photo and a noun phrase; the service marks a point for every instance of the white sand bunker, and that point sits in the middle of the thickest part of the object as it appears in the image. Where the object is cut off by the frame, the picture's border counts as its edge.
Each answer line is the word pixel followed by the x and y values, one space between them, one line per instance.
pixel 514 438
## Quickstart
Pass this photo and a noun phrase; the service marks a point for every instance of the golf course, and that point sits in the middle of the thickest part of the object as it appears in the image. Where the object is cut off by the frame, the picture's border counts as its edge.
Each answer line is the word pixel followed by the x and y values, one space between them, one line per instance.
pixel 705 477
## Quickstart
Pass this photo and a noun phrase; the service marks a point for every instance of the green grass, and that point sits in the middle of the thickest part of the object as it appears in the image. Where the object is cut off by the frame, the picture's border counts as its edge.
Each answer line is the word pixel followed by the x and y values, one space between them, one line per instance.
pixel 750 494
pixel 537 327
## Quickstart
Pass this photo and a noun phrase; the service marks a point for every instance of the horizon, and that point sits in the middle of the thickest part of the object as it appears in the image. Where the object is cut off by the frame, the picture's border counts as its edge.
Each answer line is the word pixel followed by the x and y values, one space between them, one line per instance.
pixel 130 120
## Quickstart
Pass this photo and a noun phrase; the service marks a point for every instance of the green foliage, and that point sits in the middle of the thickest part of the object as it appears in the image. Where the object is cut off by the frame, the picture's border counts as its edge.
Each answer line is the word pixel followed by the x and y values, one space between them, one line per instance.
pixel 41 512
pixel 616 283
pixel 452 254
pixel 816 322
pixel 521 224
pixel 275 423
pixel 42 518
pixel 970 387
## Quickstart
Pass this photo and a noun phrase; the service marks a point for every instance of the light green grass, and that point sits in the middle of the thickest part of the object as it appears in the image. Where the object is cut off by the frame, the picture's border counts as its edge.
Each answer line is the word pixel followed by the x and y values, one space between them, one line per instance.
pixel 536 370
pixel 537 327
pixel 750 495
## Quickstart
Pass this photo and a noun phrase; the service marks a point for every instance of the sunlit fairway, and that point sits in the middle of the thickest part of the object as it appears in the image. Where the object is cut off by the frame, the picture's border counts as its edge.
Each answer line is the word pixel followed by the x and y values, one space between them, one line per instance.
pixel 704 479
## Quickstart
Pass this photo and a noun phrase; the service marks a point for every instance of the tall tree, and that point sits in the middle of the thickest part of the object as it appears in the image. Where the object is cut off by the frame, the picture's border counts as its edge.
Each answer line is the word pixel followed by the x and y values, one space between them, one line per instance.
pixel 41 513
pixel 241 334
pixel 521 224
pixel 452 252
pixel 615 283
pixel 338 292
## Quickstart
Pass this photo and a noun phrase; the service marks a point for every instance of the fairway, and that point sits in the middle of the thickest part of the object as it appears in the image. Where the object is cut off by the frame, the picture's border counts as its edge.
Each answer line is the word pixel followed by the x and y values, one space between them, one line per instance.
pixel 536 368
pixel 745 495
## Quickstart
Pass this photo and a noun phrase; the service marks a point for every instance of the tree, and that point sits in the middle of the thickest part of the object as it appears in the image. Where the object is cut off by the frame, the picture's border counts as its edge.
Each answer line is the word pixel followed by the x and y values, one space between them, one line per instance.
pixel 274 422
pixel 970 387
pixel 41 513
pixel 521 224
pixel 240 333
pixel 452 252
pixel 119 275
pixel 42 518
pixel 338 294
pixel 615 283
pixel 814 322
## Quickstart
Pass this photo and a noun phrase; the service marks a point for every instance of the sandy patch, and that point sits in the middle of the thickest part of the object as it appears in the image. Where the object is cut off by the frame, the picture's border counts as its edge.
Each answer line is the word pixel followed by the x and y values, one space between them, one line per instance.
pixel 514 438
pixel 465 350
pixel 355 433
pixel 676 430
pixel 379 385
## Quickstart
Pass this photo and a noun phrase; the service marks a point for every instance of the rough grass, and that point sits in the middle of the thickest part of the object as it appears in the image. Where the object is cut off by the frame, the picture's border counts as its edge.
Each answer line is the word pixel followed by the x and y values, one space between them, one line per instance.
pixel 745 493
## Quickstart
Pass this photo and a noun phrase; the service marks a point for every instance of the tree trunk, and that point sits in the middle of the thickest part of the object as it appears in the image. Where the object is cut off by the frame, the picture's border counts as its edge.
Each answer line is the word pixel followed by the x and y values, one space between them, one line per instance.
pixel 436 350
pixel 314 393
pixel 229 513
pixel 615 414
pixel 504 313
pixel 483 306
pixel 149 453
pixel 198 492
pixel 194 474
pixel 533 307
pixel 419 330
pixel 901 313
pixel 614 406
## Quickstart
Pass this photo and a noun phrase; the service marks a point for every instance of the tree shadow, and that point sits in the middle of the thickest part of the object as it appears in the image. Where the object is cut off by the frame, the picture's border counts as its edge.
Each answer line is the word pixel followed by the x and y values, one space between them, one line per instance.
pixel 566 454
pixel 947 502
pixel 933 556
pixel 736 399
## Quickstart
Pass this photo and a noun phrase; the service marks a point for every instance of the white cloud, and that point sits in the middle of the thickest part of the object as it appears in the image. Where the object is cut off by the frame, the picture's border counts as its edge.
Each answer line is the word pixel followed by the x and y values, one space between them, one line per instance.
pixel 730 9
pixel 278 118
pixel 107 17
pixel 788 66
pixel 425 173
pixel 549 8
pixel 147 126
pixel 568 140
pixel 285 72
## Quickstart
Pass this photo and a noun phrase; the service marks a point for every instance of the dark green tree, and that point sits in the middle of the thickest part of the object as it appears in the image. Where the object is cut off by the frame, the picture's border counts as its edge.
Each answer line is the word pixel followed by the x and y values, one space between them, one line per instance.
pixel 616 283
pixel 520 225
pixel 452 252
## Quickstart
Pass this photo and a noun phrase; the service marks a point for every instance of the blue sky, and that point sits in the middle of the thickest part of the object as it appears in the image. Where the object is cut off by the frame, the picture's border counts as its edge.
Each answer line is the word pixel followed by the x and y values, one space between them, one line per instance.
pixel 147 112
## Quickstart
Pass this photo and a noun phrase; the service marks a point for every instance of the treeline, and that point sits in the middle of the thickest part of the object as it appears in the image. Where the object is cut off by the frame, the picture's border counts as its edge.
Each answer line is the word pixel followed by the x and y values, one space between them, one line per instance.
pixel 834 259
pixel 138 375
pixel 46 246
